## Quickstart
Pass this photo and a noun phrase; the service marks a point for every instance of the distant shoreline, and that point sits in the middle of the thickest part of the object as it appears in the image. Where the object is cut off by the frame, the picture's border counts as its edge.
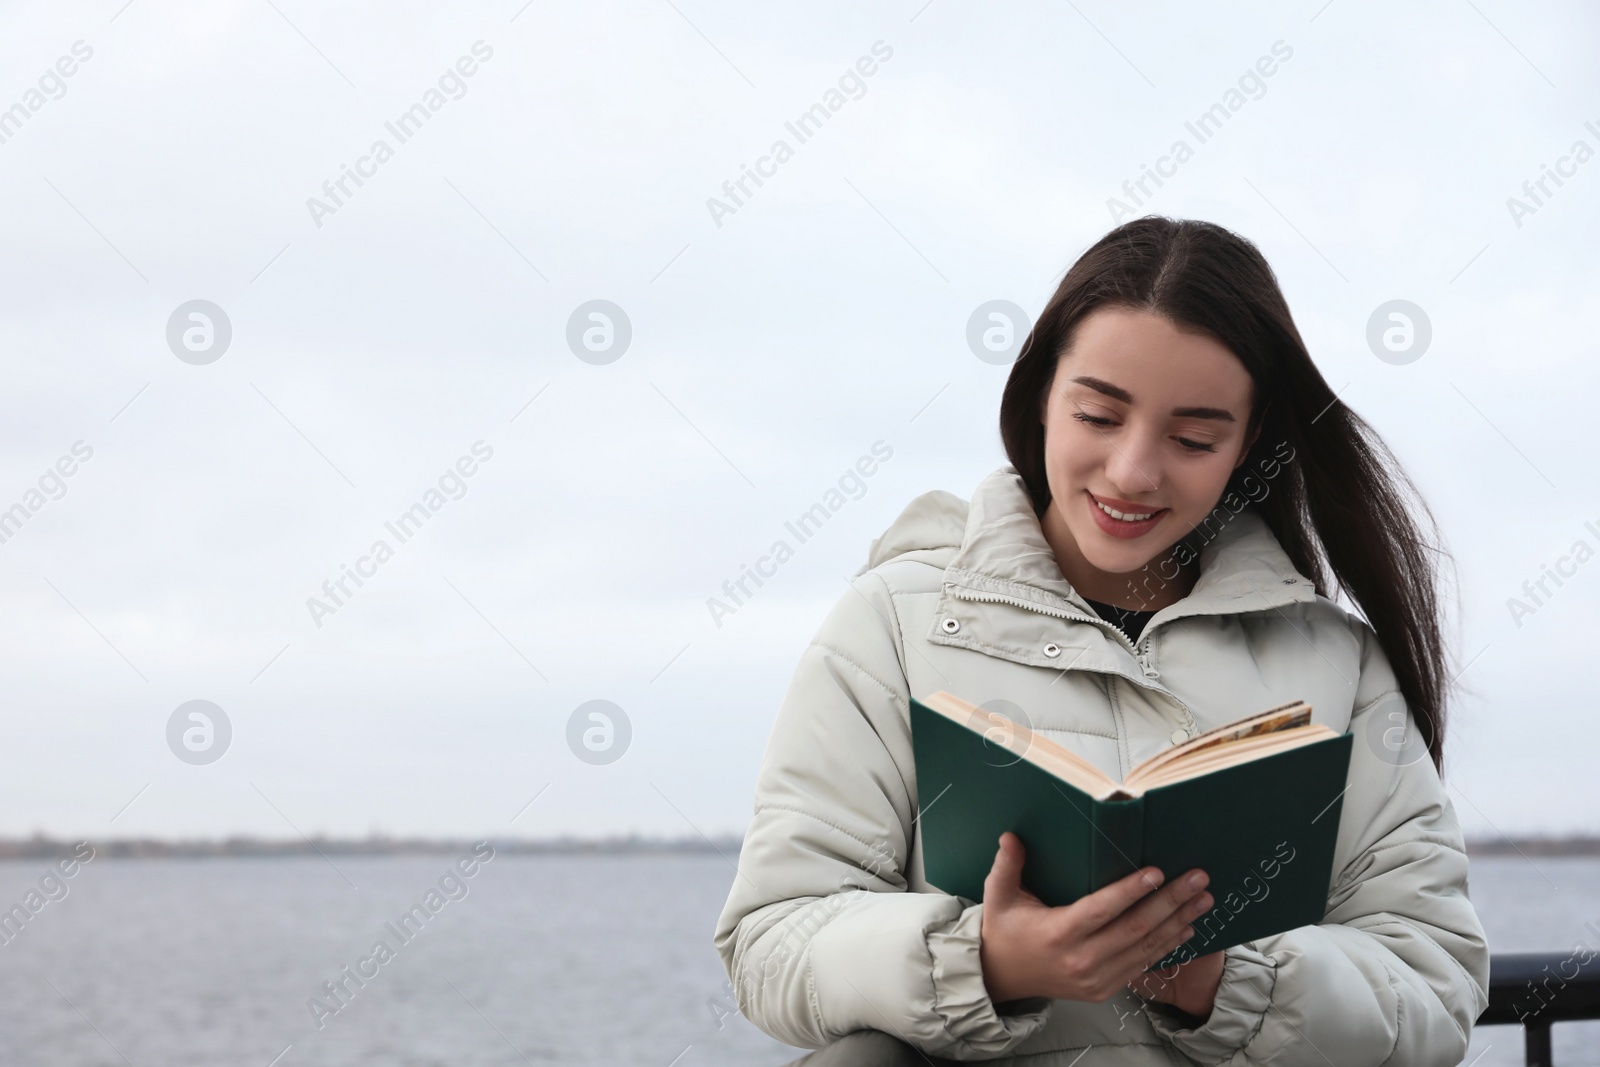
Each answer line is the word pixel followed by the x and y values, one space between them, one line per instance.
pixel 41 847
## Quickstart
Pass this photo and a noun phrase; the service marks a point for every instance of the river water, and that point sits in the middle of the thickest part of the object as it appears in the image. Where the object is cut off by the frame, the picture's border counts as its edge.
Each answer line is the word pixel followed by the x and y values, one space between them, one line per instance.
pixel 531 959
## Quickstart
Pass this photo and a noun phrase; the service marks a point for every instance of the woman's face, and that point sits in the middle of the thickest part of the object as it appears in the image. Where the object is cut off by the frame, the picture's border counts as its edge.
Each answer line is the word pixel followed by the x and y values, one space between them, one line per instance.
pixel 1147 420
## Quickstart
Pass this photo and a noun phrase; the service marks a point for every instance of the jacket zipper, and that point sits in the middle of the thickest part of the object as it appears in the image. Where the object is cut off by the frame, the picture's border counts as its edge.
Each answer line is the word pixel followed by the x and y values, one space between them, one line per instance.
pixel 1138 649
pixel 995 598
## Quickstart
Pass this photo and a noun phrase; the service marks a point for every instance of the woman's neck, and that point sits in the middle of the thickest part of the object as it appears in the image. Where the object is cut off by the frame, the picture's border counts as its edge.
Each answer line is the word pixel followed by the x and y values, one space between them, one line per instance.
pixel 1143 590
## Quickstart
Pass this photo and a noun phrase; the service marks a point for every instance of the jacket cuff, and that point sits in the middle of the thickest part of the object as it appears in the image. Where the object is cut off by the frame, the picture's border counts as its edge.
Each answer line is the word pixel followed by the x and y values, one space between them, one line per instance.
pixel 962 1000
pixel 1243 997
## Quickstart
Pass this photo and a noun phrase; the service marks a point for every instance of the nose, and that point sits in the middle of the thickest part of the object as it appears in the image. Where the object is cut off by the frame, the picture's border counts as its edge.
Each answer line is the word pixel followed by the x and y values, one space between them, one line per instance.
pixel 1134 465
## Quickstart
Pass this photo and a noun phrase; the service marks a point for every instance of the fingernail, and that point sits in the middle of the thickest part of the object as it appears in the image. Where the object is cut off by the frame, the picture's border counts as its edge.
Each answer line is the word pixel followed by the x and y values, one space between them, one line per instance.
pixel 1196 880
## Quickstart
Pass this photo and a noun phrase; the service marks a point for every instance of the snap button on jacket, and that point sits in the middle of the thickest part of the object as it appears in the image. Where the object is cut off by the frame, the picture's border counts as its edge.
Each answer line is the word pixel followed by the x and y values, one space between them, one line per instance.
pixel 830 926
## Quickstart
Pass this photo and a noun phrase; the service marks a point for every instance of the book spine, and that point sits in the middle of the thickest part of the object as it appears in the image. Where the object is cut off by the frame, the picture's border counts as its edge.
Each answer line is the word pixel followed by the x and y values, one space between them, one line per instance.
pixel 1118 846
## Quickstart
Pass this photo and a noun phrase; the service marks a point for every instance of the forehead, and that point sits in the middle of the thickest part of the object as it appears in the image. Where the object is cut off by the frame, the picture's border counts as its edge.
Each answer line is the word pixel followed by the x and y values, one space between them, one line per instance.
pixel 1153 358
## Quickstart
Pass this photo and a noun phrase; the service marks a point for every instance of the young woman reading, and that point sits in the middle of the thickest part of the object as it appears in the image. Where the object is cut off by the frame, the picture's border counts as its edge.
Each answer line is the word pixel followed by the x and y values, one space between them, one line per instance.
pixel 1185 495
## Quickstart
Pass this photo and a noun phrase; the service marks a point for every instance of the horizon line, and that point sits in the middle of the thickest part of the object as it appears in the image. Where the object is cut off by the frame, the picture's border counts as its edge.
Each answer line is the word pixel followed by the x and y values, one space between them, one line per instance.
pixel 45 846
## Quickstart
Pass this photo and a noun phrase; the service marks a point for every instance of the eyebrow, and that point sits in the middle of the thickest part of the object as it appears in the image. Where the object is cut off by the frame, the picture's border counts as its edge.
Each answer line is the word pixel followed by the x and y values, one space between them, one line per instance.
pixel 1116 392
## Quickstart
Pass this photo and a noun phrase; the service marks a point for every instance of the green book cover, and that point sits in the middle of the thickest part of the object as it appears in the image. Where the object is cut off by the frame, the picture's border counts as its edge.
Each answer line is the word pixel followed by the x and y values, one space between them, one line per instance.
pixel 1263 830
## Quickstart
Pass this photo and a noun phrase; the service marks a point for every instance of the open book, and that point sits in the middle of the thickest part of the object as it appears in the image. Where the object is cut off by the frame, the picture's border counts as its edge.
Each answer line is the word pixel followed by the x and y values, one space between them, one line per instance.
pixel 1262 734
pixel 1254 803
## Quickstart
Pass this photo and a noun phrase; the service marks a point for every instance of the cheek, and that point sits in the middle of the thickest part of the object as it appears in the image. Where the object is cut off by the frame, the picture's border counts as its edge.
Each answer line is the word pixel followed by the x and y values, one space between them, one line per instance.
pixel 1071 464
pixel 1071 448
pixel 1201 487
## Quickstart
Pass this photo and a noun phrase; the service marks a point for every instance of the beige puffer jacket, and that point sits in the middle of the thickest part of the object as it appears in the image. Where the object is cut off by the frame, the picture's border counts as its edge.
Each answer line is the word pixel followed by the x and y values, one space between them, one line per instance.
pixel 831 928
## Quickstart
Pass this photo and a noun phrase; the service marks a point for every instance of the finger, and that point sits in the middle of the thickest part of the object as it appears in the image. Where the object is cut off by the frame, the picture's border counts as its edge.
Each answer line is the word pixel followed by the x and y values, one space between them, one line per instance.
pixel 1181 899
pixel 1106 904
pixel 1152 948
pixel 1004 882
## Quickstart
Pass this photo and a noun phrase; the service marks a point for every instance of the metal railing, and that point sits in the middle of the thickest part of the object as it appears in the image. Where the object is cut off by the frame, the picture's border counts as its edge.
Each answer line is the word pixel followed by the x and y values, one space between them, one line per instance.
pixel 1530 989
pixel 1537 989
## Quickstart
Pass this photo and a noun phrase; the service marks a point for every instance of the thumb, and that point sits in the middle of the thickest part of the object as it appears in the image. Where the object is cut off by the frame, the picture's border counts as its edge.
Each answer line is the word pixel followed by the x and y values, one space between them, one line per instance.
pixel 1003 886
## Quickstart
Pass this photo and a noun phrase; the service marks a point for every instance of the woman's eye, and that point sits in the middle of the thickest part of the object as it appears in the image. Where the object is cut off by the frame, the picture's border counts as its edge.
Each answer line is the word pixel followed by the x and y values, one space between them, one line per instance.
pixel 1193 446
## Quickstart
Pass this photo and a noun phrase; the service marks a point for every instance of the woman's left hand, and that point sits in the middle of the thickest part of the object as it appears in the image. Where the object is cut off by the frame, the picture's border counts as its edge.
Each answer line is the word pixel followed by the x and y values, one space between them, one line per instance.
pixel 1193 989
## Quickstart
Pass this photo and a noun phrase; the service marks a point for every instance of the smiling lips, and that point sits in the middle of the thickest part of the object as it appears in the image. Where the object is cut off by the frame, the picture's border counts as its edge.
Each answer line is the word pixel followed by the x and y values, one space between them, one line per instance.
pixel 1110 515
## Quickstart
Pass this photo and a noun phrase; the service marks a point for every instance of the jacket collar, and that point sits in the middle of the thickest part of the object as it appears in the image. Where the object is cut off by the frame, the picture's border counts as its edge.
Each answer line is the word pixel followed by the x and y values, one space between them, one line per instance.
pixel 1003 551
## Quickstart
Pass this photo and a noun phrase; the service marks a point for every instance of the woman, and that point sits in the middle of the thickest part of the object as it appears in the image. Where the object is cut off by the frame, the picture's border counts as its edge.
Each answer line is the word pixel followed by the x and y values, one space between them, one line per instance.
pixel 1154 562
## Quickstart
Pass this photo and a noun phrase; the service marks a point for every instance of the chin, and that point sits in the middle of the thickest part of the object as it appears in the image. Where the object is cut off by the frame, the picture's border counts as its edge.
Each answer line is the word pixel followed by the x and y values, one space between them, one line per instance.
pixel 1113 561
pixel 1123 565
pixel 1121 559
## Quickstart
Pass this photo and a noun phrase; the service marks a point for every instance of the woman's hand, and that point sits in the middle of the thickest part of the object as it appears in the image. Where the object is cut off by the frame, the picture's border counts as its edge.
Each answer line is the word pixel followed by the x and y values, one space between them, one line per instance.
pixel 1088 950
pixel 1192 989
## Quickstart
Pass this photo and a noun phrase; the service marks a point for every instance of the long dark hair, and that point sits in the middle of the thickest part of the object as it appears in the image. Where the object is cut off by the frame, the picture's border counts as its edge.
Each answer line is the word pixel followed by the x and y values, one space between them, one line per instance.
pixel 1342 504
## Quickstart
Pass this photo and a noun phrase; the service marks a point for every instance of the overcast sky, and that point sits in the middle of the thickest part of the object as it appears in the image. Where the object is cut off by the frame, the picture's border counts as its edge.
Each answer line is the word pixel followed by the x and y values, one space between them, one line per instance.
pixel 382 332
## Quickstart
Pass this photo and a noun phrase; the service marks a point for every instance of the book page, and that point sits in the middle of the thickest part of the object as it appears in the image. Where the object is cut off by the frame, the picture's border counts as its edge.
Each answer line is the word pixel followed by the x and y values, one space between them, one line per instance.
pixel 1024 743
pixel 1283 717
pixel 1218 757
pixel 1257 735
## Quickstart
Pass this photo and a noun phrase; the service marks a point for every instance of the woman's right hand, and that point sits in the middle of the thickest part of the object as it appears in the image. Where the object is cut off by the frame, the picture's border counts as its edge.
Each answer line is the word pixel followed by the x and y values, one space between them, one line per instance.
pixel 1088 950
